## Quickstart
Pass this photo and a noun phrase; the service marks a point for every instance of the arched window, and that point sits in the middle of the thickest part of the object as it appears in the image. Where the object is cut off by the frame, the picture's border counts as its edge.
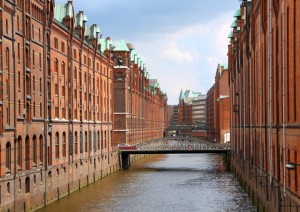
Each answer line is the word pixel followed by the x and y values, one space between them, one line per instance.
pixel 27 185
pixel 57 145
pixel 27 153
pixel 34 147
pixel 41 148
pixel 8 188
pixel 8 156
pixel 64 148
pixel 19 152
pixel 49 150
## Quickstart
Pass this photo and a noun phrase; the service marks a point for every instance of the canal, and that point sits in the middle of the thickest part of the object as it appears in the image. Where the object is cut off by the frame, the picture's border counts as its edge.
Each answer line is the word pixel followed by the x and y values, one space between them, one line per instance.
pixel 195 182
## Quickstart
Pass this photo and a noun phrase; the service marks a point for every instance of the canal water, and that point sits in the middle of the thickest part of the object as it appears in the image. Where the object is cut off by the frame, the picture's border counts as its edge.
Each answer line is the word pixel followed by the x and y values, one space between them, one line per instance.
pixel 194 182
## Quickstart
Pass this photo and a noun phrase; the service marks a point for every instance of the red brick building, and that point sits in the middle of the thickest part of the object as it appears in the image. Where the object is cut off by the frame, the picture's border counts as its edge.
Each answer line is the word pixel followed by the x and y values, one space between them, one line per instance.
pixel 264 82
pixel 221 105
pixel 140 112
pixel 210 114
pixel 57 103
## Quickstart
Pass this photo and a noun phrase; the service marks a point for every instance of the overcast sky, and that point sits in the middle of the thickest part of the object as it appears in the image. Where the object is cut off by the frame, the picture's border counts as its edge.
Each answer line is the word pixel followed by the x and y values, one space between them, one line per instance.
pixel 181 42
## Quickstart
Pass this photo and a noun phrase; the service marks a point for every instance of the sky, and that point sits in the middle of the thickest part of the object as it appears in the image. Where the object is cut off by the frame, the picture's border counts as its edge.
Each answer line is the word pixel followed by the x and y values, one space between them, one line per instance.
pixel 181 42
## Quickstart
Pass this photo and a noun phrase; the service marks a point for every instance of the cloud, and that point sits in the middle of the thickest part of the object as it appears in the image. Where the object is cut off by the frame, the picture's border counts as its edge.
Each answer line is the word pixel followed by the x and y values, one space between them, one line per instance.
pixel 174 54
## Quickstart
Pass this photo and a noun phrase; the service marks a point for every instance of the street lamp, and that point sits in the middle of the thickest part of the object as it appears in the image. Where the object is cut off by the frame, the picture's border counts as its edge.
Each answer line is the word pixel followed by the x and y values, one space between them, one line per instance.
pixel 291 165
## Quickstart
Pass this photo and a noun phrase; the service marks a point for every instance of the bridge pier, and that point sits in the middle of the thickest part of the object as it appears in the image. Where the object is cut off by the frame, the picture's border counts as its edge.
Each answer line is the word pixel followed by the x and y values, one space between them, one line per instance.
pixel 125 160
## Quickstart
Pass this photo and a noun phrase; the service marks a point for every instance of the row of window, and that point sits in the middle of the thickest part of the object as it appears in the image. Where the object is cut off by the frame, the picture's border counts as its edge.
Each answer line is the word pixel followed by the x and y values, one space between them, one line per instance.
pixel 34 148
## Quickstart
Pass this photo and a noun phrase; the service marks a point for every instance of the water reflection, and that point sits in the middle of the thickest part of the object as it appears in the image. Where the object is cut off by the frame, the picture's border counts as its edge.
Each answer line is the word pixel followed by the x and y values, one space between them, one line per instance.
pixel 196 182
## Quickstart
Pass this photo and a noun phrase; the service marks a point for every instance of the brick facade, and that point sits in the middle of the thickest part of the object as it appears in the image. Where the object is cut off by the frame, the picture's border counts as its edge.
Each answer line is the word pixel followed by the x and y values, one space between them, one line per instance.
pixel 264 82
pixel 57 102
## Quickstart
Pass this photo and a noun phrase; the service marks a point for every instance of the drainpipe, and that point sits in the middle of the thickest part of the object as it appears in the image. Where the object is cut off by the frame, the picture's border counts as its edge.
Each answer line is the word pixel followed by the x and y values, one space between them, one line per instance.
pixel 15 103
pixel 244 103
pixel 260 106
pixel 283 100
pixel 270 91
pixel 277 119
pixel 250 95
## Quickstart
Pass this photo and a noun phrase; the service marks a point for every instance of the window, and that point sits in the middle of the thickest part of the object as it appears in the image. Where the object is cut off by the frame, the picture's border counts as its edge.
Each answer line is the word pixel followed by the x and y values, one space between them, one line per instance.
pixel 34 115
pixel 85 141
pixel 33 59
pixel 32 33
pixel 63 47
pixel 57 145
pixel 33 84
pixel 19 80
pixel 75 54
pixel 41 110
pixel 63 71
pixel 19 52
pixel 41 88
pixel 76 143
pixel 56 65
pixel 98 140
pixel 18 23
pixel 84 60
pixel 64 145
pixel 55 43
pixel 56 89
pixel 27 185
pixel 6 26
pixel 8 156
pixel 34 146
pixel 41 148
pixel 27 153
pixel 40 61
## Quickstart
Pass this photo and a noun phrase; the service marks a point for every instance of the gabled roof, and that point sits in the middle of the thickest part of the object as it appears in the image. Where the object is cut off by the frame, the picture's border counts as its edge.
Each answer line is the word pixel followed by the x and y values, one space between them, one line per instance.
pixel 121 46
pixel 62 11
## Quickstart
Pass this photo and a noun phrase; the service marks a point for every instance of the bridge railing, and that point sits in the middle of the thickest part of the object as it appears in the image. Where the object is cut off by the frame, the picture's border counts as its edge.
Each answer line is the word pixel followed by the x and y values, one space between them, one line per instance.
pixel 180 144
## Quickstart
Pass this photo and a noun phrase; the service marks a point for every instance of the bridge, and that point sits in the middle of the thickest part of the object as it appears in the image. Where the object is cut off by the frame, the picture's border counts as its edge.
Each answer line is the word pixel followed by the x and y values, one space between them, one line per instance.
pixel 170 145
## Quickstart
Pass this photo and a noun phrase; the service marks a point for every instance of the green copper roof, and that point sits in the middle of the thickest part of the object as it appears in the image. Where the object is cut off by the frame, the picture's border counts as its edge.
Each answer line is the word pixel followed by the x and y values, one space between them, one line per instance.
pixel 105 44
pixel 181 95
pixel 234 24
pixel 121 46
pixel 80 18
pixel 133 55
pixel 237 13
pixel 230 35
pixel 91 31
pixel 63 10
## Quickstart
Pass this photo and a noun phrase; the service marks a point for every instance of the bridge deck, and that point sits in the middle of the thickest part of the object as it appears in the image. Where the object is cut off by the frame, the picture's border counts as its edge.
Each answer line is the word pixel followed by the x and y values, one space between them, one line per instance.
pixel 175 146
